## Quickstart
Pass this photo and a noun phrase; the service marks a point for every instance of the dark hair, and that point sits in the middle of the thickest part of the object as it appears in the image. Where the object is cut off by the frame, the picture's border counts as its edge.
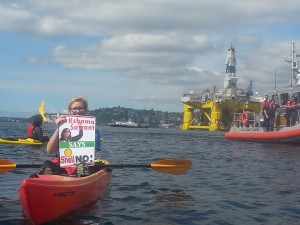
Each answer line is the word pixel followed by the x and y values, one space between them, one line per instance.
pixel 62 137
pixel 37 120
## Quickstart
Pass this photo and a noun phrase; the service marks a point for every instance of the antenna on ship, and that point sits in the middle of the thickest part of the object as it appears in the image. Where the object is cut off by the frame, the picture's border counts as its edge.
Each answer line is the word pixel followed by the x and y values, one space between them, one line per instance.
pixel 275 88
pixel 294 61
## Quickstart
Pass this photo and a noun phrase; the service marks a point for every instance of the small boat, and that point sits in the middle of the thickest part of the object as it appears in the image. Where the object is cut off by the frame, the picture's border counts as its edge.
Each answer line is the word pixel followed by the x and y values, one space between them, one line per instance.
pixel 47 197
pixel 128 124
pixel 20 141
pixel 253 129
pixel 257 133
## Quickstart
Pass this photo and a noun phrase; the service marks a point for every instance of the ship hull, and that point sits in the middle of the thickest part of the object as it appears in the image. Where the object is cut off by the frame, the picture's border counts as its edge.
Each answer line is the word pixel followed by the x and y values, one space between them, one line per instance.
pixel 283 135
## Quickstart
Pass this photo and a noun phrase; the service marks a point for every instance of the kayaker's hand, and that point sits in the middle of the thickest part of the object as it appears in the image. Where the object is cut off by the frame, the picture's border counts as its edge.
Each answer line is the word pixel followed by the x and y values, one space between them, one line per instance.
pixel 60 120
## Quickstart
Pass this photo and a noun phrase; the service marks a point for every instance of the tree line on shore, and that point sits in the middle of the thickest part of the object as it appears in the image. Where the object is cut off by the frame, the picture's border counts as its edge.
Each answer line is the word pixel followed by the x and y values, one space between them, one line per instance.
pixel 104 116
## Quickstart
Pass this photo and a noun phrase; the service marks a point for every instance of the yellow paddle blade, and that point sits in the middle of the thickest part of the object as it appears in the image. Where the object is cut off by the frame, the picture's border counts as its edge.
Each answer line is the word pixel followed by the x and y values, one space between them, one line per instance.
pixel 42 112
pixel 6 166
pixel 172 166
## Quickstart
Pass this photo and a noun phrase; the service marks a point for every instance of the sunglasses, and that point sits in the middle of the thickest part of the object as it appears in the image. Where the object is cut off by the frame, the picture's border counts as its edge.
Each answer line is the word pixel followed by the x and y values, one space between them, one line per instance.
pixel 78 109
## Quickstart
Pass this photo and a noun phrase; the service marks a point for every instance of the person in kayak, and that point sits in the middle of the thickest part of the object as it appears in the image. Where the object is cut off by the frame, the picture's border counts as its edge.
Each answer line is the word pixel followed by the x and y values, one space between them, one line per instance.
pixel 77 106
pixel 35 131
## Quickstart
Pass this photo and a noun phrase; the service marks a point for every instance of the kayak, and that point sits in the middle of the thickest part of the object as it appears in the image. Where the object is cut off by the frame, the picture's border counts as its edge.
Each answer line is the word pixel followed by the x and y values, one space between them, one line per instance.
pixel 47 197
pixel 44 198
pixel 20 141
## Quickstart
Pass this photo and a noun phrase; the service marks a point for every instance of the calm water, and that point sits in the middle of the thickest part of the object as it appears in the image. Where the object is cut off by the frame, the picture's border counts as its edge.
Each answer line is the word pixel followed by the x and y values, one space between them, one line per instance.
pixel 229 183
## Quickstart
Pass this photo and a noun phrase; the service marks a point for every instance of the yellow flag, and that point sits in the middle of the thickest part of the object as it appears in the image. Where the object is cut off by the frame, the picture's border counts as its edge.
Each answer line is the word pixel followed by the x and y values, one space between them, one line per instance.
pixel 42 112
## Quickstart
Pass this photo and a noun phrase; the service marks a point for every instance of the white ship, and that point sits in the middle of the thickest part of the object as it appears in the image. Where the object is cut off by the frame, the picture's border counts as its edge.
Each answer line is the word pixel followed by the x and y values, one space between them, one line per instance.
pixel 129 124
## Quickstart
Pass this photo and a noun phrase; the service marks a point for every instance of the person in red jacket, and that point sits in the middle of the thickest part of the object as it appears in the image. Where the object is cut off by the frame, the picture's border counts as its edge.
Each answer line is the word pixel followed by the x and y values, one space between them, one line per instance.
pixel 264 106
pixel 35 131
pixel 290 112
pixel 270 112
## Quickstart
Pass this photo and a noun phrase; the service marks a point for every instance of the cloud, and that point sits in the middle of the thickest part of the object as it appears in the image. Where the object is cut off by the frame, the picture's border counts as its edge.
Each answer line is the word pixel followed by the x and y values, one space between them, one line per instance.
pixel 169 47
pixel 154 99
pixel 152 57
pixel 128 16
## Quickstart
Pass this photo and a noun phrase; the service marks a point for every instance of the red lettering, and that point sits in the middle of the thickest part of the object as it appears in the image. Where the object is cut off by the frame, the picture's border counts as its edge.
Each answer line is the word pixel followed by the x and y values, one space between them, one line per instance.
pixel 64 159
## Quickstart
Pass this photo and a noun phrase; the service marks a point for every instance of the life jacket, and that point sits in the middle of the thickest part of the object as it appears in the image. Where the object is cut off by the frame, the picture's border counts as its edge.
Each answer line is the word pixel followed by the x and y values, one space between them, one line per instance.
pixel 68 170
pixel 30 130
pixel 273 107
pixel 271 110
pixel 291 105
pixel 244 118
pixel 265 103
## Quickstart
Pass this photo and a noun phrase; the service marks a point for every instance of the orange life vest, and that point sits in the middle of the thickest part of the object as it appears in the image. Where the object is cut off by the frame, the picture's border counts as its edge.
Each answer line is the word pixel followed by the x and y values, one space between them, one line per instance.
pixel 244 118
pixel 30 130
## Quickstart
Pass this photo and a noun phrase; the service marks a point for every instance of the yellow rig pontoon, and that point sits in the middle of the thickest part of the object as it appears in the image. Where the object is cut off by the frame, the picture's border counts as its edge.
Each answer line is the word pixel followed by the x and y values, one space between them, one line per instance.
pixel 213 111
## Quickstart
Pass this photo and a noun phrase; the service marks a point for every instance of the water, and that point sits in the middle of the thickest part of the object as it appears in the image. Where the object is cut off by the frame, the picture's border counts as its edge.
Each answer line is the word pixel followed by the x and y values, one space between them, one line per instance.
pixel 229 183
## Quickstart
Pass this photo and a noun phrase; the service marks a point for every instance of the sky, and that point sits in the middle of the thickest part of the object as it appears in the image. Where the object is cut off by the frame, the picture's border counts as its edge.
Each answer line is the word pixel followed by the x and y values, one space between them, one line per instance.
pixel 141 54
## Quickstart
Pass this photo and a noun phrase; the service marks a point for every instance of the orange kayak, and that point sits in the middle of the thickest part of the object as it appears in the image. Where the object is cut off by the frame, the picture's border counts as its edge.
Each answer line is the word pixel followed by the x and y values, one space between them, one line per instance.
pixel 48 197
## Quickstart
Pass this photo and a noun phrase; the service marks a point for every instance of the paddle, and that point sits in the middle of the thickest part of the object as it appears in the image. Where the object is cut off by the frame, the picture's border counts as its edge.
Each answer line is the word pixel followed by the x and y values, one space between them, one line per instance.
pixel 170 166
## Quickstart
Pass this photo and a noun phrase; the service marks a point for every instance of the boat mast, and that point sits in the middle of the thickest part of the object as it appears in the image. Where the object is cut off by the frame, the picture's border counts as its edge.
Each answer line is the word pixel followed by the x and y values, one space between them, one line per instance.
pixel 294 61
pixel 275 81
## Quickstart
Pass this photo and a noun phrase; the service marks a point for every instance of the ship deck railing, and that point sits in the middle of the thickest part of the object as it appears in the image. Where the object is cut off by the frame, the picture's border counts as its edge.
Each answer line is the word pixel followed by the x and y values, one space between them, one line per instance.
pixel 252 121
pixel 256 120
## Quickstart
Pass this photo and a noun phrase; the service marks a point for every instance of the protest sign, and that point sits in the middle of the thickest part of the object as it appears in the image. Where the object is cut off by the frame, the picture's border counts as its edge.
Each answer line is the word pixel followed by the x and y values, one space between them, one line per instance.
pixel 77 140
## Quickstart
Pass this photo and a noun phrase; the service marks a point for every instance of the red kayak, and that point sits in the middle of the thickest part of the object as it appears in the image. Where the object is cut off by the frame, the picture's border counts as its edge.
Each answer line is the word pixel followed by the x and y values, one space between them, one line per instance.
pixel 48 197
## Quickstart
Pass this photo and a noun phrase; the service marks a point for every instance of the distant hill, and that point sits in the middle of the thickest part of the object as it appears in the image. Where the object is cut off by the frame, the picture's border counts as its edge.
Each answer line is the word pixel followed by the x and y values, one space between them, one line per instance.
pixel 152 117
pixel 104 116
